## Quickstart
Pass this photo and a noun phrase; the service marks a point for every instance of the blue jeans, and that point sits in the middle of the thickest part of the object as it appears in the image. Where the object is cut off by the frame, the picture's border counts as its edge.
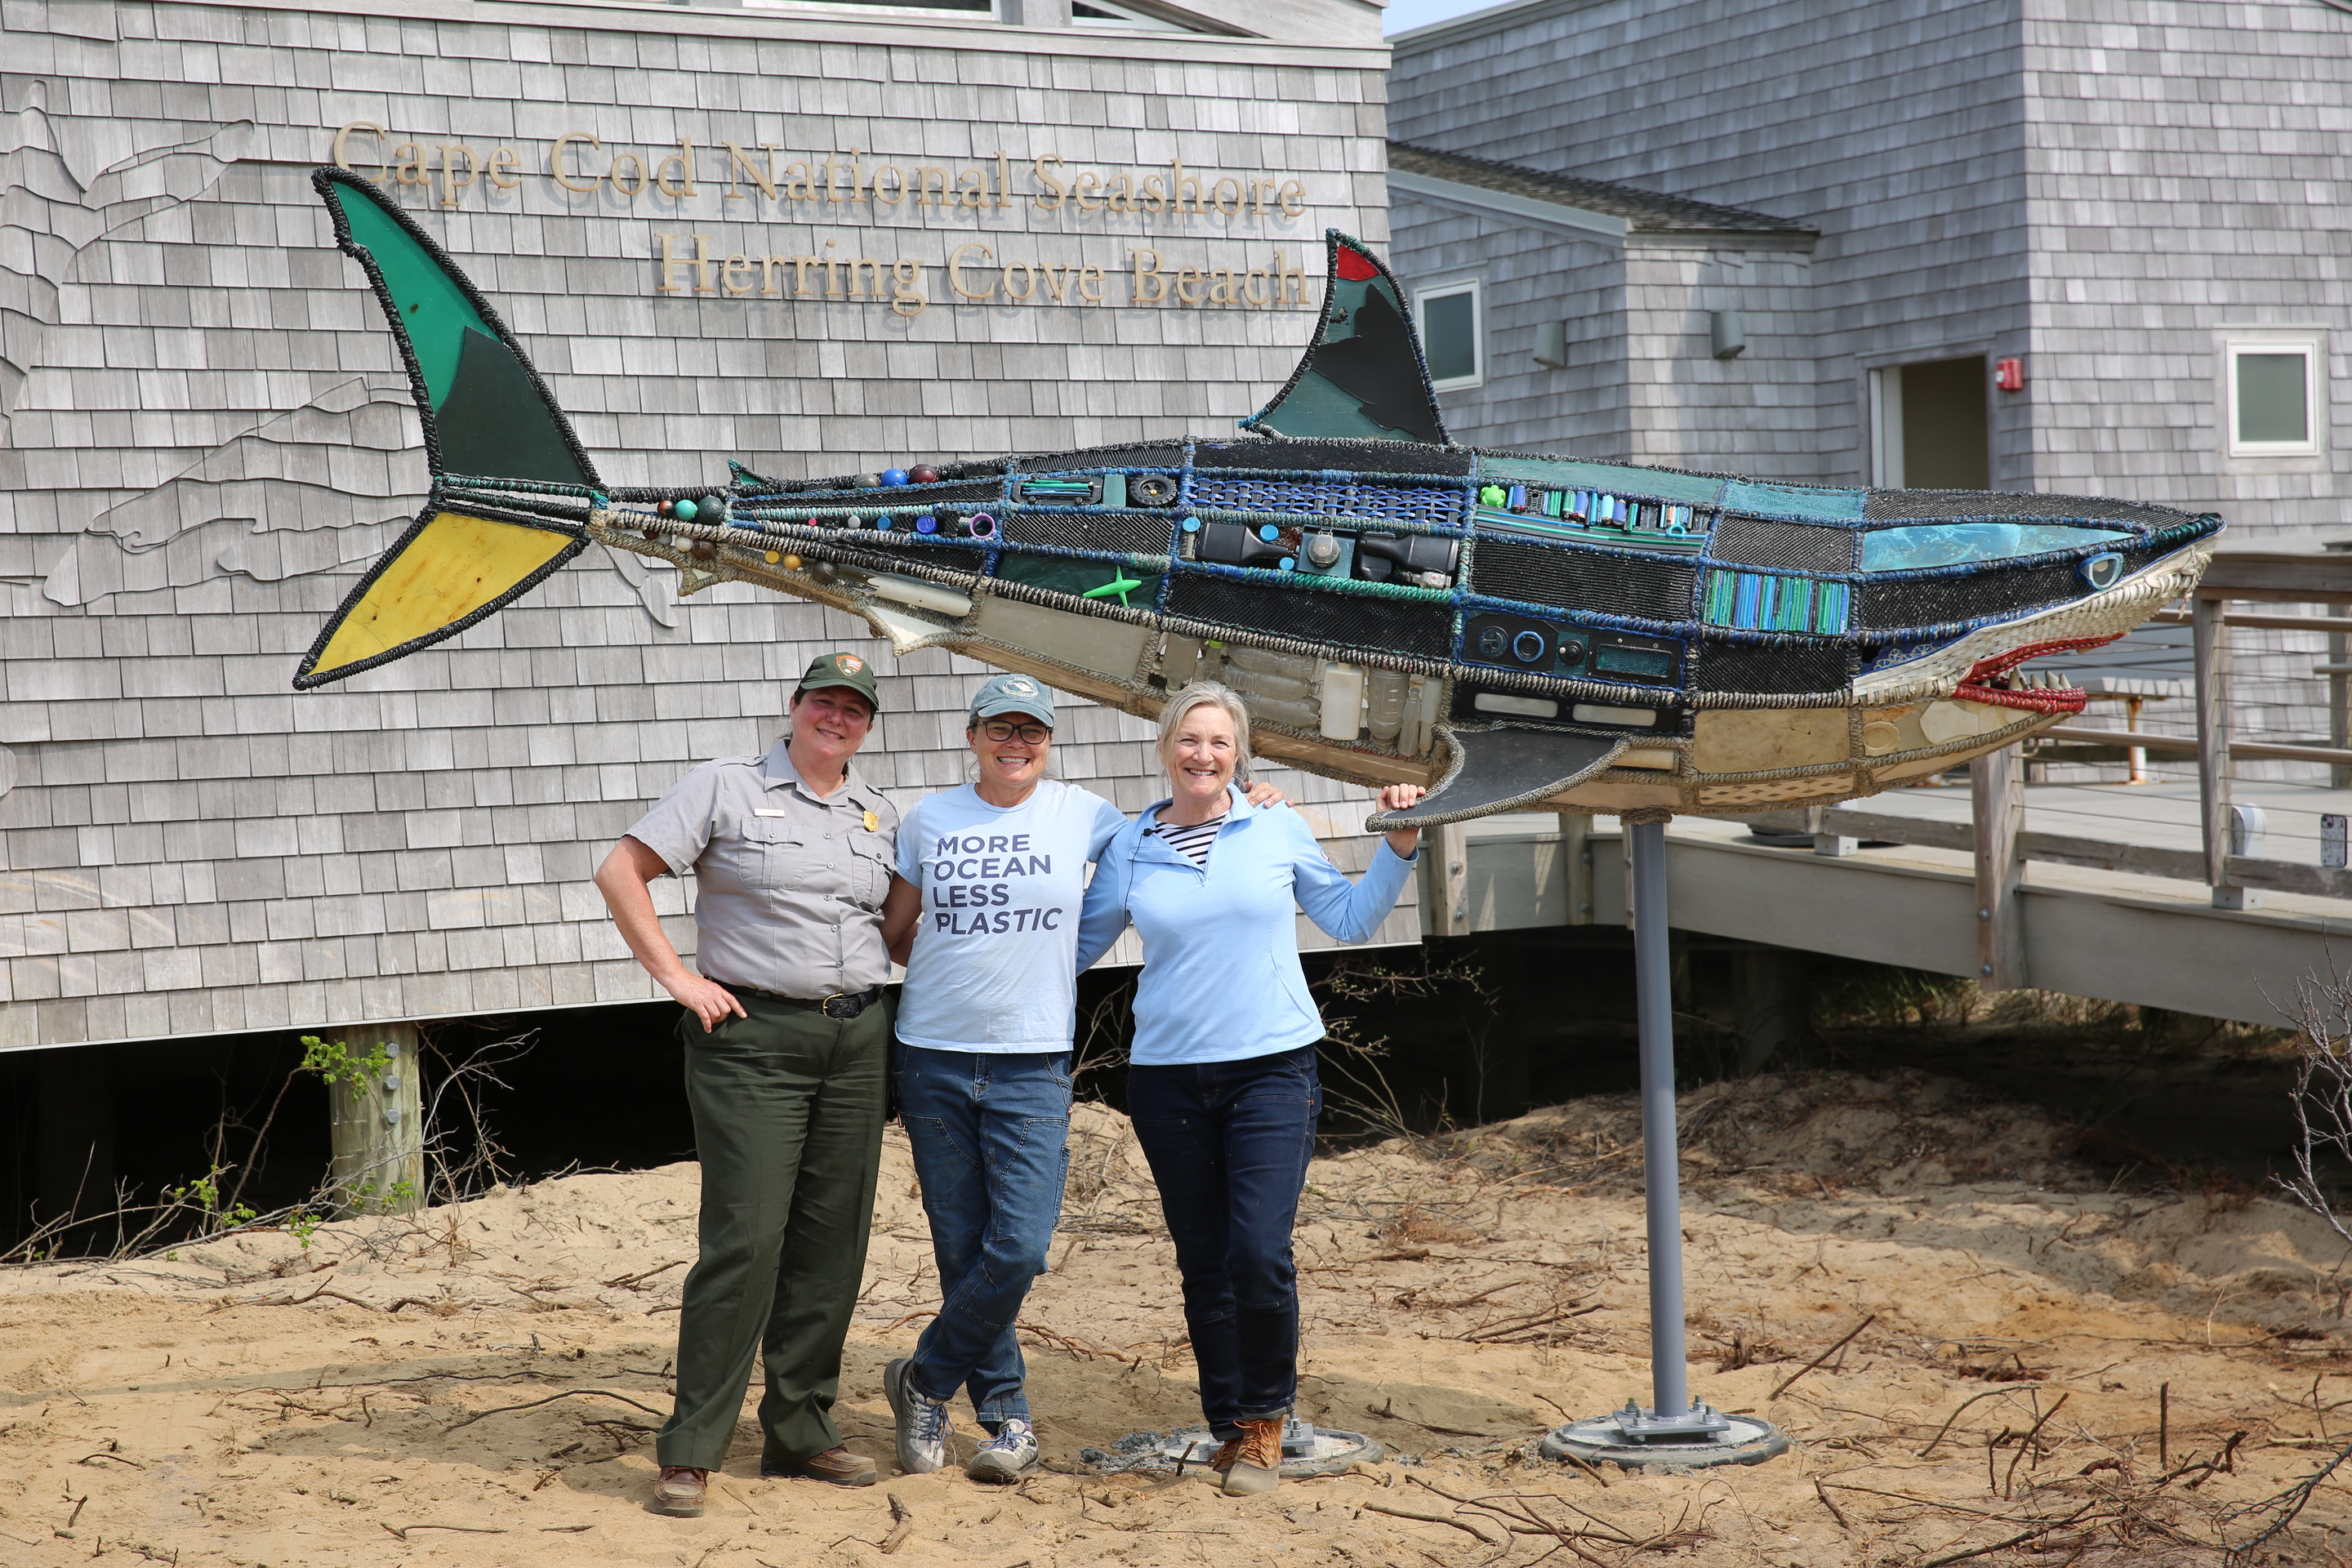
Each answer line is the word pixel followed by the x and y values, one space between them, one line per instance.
pixel 1228 1143
pixel 990 1133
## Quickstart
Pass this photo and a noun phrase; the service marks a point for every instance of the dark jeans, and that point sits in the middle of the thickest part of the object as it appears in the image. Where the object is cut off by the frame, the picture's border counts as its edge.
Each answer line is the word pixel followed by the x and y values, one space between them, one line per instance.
pixel 788 1125
pixel 1228 1143
pixel 991 1134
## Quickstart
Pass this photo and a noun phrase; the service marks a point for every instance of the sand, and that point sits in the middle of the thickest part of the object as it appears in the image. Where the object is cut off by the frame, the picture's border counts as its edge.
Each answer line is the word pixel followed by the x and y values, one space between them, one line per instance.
pixel 478 1384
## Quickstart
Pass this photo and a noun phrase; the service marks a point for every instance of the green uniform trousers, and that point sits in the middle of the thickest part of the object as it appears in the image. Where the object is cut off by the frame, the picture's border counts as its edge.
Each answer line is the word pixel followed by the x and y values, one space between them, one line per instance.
pixel 788 1122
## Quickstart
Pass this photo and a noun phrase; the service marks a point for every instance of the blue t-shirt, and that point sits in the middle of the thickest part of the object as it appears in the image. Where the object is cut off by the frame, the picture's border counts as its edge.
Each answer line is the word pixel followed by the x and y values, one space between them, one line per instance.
pixel 995 961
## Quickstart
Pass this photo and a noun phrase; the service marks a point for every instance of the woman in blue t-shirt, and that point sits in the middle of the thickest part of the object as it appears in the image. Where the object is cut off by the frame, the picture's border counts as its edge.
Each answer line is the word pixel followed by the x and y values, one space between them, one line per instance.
pixel 986 922
pixel 1222 1084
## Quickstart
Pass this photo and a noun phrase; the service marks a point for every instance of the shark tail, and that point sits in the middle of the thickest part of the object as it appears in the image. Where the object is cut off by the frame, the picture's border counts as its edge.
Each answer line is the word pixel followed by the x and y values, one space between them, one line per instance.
pixel 487 417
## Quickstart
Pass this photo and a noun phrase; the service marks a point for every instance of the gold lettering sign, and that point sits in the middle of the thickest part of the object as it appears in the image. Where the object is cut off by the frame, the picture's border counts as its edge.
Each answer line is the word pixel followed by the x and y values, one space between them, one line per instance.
pixel 686 265
pixel 580 162
pixel 831 188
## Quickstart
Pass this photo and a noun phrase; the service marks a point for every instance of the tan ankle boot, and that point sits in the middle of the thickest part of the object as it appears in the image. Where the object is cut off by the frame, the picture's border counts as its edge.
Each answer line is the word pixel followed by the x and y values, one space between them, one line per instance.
pixel 1257 1465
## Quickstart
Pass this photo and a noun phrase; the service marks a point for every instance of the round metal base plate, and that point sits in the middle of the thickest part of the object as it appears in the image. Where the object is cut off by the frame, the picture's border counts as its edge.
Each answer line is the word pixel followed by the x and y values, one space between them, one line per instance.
pixel 1160 1452
pixel 1597 1441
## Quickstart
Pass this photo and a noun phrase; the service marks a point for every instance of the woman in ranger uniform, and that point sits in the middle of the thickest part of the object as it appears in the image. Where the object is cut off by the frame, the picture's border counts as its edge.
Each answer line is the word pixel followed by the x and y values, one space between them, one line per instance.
pixel 786 1063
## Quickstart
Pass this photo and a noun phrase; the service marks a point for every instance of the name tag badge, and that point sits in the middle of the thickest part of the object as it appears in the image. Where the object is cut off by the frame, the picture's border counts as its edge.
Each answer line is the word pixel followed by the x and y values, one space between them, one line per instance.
pixel 763 811
pixel 873 823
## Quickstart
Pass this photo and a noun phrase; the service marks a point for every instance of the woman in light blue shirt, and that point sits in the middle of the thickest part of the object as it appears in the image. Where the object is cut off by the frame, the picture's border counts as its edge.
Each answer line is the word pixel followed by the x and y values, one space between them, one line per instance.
pixel 1222 1085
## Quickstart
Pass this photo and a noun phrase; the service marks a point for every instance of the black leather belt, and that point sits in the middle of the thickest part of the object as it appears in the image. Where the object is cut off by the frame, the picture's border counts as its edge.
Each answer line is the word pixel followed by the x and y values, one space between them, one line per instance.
pixel 840 1004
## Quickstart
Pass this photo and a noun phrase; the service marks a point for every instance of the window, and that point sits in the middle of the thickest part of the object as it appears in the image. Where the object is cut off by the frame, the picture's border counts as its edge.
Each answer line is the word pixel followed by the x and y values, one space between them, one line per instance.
pixel 1452 334
pixel 2271 391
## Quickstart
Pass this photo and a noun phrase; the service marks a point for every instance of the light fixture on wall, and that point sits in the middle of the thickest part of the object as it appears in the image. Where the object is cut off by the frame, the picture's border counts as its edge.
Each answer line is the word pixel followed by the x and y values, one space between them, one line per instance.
pixel 1551 345
pixel 1726 334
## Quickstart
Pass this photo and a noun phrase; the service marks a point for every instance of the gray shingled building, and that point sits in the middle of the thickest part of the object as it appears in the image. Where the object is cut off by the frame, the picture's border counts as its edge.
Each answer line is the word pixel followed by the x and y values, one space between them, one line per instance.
pixel 2131 200
pixel 205 435
pixel 2142 207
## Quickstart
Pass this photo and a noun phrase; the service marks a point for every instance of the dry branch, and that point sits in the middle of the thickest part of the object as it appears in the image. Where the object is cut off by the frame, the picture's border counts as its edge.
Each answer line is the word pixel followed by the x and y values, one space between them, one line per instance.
pixel 1462 1525
pixel 904 1525
pixel 1868 1319
pixel 507 1409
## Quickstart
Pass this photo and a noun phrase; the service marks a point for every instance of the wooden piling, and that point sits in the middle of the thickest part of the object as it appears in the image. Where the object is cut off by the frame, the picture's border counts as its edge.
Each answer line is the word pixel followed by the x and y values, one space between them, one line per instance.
pixel 376 1127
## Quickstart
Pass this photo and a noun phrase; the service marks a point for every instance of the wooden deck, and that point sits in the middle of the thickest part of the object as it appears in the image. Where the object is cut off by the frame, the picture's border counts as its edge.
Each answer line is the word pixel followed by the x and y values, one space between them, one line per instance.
pixel 2088 930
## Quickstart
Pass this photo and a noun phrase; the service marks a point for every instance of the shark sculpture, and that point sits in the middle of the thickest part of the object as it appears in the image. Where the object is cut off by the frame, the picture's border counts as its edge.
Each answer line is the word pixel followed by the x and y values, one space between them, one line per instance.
pixel 1515 630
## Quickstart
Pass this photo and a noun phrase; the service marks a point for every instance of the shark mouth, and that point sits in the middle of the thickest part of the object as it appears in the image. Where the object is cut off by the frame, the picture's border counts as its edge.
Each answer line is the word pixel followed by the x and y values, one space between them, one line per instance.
pixel 1995 681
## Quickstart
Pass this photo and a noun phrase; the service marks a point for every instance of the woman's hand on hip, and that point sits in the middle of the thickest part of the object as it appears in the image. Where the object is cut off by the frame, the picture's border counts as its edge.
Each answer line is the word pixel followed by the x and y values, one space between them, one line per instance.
pixel 1403 797
pixel 707 999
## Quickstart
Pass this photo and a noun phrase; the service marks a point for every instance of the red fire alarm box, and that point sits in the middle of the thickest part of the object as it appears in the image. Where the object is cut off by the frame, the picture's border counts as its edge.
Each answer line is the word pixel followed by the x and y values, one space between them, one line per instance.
pixel 2009 374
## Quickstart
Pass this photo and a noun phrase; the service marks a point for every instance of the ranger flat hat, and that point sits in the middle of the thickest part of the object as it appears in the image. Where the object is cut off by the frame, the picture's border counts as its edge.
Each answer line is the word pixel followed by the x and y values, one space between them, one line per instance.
pixel 848 669
pixel 1013 694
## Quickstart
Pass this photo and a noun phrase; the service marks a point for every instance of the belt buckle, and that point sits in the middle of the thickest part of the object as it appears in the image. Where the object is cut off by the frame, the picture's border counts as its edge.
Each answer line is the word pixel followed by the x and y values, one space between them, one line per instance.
pixel 826 1005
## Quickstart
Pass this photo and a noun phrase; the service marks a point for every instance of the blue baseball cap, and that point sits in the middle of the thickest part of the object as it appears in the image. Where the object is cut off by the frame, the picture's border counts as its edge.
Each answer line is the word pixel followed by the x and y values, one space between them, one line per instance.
pixel 1013 694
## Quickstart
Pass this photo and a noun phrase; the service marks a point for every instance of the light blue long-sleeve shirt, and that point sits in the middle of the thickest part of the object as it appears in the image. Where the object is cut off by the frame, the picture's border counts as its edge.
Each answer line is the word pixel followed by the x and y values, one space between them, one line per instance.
pixel 1221 975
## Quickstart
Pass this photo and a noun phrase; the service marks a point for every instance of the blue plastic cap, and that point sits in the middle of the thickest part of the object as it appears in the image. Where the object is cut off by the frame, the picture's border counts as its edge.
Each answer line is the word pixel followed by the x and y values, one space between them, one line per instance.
pixel 927 525
pixel 894 476
pixel 1191 525
pixel 1269 532
pixel 1289 564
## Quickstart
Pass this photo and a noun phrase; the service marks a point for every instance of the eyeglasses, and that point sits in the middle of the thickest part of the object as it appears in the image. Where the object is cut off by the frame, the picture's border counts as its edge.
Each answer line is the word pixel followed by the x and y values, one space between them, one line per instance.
pixel 1003 730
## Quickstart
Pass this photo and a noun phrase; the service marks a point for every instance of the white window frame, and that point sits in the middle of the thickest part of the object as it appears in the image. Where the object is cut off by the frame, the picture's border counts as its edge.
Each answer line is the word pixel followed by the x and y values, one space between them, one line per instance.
pixel 1421 301
pixel 1886 427
pixel 2314 406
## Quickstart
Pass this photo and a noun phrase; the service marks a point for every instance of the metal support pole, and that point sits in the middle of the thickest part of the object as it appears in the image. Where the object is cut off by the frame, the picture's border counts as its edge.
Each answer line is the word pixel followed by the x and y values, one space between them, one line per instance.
pixel 1661 1167
pixel 1674 1432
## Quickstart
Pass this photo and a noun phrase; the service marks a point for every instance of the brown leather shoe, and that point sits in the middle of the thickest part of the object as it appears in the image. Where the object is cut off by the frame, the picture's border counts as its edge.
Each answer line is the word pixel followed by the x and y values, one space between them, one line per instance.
pixel 1258 1465
pixel 680 1491
pixel 838 1465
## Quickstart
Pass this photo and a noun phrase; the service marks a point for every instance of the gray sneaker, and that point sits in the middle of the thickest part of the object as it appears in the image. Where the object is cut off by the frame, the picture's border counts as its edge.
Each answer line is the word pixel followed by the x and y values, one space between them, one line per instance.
pixel 1007 1457
pixel 923 1424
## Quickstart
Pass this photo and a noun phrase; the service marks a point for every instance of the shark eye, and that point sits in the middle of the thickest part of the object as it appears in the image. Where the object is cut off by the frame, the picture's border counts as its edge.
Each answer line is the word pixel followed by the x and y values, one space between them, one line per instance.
pixel 2103 570
pixel 1953 543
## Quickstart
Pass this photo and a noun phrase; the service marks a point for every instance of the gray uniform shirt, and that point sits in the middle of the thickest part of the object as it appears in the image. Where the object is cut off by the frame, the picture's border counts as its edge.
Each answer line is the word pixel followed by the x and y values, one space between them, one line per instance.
pixel 789 883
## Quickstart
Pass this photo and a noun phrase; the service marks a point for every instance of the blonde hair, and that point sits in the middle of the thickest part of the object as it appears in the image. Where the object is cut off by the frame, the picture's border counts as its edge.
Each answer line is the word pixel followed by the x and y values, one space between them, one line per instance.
pixel 1205 694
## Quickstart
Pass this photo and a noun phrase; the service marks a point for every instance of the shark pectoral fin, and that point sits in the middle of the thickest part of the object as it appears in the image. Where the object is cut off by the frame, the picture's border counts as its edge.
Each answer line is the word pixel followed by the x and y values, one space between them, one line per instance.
pixel 1501 769
pixel 448 571
pixel 1363 375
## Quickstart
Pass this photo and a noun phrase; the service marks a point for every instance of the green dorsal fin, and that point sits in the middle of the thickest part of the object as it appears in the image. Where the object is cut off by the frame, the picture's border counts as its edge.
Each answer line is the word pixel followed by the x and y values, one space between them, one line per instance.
pixel 485 412
pixel 1363 374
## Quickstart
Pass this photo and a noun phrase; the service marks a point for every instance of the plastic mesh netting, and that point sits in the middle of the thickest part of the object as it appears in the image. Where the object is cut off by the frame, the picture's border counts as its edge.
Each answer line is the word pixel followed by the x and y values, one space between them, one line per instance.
pixel 1584 580
pixel 1122 533
pixel 1773 669
pixel 1424 504
pixel 1314 456
pixel 1939 601
pixel 1787 546
pixel 1347 620
pixel 1155 456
